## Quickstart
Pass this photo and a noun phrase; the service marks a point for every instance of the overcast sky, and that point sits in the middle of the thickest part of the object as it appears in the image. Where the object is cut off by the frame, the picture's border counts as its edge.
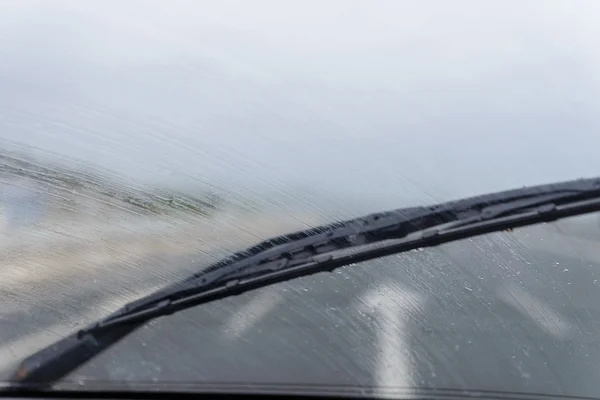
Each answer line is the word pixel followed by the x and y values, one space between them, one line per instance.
pixel 377 100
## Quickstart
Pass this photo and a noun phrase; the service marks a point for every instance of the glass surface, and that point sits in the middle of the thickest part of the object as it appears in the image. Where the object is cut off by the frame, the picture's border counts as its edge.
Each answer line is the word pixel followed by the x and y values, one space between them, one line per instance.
pixel 142 140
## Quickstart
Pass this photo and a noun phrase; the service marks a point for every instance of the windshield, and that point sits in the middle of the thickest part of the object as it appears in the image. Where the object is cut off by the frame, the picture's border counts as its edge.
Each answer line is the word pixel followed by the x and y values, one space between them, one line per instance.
pixel 143 141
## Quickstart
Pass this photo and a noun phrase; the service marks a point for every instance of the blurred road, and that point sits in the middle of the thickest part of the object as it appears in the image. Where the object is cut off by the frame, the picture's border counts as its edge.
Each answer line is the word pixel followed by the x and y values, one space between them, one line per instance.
pixel 513 311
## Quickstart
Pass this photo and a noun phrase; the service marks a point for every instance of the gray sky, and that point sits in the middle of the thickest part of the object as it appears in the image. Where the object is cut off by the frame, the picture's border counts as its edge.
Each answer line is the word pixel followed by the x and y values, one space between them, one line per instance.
pixel 375 100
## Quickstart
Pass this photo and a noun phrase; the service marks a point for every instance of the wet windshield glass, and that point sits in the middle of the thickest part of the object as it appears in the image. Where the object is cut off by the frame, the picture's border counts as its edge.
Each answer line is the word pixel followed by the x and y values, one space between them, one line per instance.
pixel 142 141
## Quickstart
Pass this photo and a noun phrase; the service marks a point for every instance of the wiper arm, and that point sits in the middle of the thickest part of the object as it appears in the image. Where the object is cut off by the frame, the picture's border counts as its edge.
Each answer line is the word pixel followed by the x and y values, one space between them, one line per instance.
pixel 319 249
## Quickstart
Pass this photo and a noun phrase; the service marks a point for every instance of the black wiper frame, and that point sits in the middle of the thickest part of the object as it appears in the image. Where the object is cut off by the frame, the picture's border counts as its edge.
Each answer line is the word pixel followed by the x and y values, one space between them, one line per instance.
pixel 315 250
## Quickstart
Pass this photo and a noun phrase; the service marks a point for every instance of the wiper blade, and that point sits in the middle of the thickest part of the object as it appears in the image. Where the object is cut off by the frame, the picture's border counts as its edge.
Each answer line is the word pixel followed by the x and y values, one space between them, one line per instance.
pixel 315 250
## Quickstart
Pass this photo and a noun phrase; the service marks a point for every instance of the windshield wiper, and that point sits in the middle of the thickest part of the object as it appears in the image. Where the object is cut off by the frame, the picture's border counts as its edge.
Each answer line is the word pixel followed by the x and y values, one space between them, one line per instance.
pixel 318 249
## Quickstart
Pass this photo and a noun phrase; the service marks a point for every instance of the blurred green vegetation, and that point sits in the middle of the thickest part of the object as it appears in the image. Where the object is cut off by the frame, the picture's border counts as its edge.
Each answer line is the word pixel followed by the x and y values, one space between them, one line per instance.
pixel 72 179
pixel 164 202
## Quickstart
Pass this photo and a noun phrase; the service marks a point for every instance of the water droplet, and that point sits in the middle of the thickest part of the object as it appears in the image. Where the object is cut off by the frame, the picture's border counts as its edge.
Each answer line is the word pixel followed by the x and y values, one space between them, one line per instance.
pixel 566 270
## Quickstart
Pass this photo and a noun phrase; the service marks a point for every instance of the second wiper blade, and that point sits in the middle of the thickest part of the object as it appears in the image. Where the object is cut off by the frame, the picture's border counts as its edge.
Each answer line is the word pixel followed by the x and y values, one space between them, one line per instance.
pixel 320 249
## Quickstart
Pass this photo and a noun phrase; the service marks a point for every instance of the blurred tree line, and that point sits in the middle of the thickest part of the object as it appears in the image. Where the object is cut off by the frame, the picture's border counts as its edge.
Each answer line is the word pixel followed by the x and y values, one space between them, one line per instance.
pixel 73 179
